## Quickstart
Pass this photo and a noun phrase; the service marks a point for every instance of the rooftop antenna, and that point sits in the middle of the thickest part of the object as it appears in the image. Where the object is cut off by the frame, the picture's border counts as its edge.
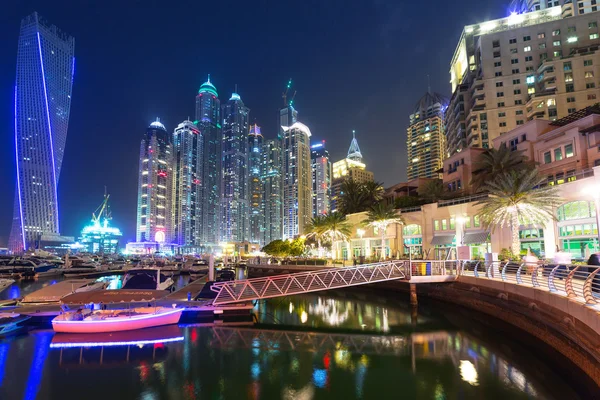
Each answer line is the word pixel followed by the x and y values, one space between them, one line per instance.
pixel 208 78
pixel 293 97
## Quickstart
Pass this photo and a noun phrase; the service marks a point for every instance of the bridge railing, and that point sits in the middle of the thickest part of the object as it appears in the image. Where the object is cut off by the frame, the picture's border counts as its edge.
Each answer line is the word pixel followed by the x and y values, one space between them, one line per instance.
pixel 580 282
pixel 310 281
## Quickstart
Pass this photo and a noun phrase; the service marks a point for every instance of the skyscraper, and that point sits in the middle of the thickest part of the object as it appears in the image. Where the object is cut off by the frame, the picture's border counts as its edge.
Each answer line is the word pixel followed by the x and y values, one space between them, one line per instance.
pixel 272 180
pixel 425 139
pixel 297 179
pixel 234 171
pixel 351 167
pixel 255 185
pixel 154 213
pixel 508 71
pixel 321 178
pixel 188 157
pixel 44 81
pixel 208 115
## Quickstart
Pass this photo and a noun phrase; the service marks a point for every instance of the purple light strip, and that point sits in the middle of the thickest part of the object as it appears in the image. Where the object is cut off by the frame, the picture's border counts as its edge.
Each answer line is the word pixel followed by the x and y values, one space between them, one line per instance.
pixel 106 344
pixel 18 177
pixel 49 131
pixel 72 73
pixel 118 319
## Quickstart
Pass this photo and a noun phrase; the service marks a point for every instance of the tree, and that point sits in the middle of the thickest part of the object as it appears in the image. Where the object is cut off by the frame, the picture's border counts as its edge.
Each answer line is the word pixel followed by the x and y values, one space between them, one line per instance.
pixel 407 201
pixel 433 190
pixel 381 216
pixel 516 198
pixel 336 228
pixel 494 162
pixel 357 197
pixel 277 248
pixel 296 247
pixel 316 230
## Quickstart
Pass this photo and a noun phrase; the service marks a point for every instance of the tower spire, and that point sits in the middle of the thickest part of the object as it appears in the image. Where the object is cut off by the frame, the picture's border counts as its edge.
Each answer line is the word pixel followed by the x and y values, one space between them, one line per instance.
pixel 208 78
pixel 354 153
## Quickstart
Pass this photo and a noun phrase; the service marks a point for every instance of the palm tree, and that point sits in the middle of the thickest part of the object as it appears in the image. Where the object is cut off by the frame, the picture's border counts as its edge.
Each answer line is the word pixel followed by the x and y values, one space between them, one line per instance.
pixel 433 190
pixel 515 199
pixel 316 229
pixel 357 197
pixel 381 216
pixel 494 162
pixel 336 228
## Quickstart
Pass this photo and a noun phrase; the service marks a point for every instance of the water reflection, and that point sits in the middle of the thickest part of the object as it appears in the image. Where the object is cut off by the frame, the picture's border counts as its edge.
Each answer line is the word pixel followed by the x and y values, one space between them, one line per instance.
pixel 277 361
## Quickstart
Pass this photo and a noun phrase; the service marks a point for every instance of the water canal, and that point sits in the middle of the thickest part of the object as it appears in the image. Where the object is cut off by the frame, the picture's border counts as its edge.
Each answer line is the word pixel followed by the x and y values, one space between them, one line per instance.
pixel 345 345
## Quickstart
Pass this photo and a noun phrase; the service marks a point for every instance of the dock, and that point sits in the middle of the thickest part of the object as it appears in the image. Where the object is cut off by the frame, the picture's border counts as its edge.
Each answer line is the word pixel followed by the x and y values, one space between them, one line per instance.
pixel 194 288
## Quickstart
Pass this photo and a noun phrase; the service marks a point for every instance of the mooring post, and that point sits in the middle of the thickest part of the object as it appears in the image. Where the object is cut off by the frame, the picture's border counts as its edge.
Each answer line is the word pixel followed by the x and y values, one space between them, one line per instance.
pixel 413 294
pixel 211 268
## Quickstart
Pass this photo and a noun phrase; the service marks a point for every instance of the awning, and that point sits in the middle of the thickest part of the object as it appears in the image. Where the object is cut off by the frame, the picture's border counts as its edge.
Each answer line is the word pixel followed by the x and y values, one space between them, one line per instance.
pixel 442 239
pixel 476 238
pixel 114 296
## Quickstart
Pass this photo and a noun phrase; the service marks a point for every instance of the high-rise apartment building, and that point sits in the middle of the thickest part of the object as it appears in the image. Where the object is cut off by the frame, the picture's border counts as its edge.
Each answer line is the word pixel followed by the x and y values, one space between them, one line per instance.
pixel 509 71
pixel 154 213
pixel 352 167
pixel 425 137
pixel 288 116
pixel 321 178
pixel 208 120
pixel 44 81
pixel 234 171
pixel 297 179
pixel 582 7
pixel 255 185
pixel 188 157
pixel 272 181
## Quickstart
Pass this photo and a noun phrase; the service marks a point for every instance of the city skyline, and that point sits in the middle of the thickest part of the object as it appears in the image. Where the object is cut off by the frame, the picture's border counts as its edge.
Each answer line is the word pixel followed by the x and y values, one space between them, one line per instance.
pixel 169 98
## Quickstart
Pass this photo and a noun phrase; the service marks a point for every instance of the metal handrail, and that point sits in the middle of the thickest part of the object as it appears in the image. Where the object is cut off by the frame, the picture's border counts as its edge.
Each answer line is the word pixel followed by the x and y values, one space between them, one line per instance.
pixel 310 281
pixel 577 282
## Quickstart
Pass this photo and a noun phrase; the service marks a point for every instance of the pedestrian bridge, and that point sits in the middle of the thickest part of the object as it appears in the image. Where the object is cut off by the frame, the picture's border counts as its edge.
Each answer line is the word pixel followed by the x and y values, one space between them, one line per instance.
pixel 332 278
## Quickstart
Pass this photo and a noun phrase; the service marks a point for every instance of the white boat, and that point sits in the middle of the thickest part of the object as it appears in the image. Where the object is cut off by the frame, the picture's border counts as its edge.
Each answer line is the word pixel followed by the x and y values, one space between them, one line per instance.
pixel 115 320
pixel 5 283
pixel 39 266
pixel 147 278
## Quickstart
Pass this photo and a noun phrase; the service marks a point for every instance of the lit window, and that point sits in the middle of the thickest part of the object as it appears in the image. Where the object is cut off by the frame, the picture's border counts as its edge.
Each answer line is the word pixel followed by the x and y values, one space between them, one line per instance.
pixel 541 35
pixel 558 154
pixel 568 151
pixel 530 80
pixel 531 90
pixel 589 74
pixel 556 43
pixel 556 32
pixel 588 63
pixel 568 77
pixel 547 157
pixel 526 49
pixel 593 36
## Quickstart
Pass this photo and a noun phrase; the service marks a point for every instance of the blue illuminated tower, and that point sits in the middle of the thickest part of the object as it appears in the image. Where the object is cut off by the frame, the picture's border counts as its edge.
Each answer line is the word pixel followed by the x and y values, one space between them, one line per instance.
pixel 234 171
pixel 255 185
pixel 208 115
pixel 44 80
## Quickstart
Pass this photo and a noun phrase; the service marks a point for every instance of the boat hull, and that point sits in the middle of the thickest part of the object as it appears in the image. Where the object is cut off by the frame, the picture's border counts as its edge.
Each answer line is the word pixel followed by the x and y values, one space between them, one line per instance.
pixel 118 324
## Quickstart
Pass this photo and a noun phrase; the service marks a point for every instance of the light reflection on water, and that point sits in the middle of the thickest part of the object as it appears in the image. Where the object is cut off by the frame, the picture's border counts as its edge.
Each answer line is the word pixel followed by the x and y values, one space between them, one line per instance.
pixel 353 349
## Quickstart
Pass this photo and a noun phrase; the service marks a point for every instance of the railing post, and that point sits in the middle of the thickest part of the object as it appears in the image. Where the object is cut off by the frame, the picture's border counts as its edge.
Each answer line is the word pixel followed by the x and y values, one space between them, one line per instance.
pixel 551 286
pixel 503 273
pixel 588 288
pixel 475 273
pixel 569 283
pixel 519 280
pixel 534 276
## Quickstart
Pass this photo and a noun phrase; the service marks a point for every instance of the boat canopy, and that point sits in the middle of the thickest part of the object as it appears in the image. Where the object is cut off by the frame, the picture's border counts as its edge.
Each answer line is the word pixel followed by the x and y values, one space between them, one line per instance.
pixel 114 296
pixel 53 293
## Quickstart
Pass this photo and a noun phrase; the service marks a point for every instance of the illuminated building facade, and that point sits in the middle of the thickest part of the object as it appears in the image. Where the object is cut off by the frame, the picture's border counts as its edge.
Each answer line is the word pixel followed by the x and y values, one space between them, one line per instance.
pixel 99 237
pixel 154 215
pixel 272 181
pixel 234 171
pixel 583 7
pixel 255 185
pixel 188 157
pixel 208 116
pixel 426 140
pixel 352 167
pixel 297 180
pixel 512 70
pixel 321 178
pixel 44 81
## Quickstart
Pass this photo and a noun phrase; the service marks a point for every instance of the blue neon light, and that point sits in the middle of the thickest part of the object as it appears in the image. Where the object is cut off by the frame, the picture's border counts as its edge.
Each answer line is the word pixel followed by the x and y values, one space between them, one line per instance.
pixel 49 131
pixel 72 73
pixel 107 344
pixel 18 177
pixel 319 378
pixel 37 366
pixel 3 357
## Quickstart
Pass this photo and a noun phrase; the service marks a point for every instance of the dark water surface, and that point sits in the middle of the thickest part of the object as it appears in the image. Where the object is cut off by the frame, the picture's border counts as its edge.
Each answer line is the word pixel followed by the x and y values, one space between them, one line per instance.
pixel 347 345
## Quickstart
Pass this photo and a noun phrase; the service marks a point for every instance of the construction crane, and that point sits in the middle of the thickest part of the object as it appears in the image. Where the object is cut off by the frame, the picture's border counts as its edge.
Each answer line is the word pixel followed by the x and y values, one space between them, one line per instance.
pixel 293 97
pixel 103 209
pixel 284 95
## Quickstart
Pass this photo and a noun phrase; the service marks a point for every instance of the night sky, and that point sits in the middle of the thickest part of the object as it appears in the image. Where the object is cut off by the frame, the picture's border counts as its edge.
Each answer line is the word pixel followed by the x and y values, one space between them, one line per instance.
pixel 355 65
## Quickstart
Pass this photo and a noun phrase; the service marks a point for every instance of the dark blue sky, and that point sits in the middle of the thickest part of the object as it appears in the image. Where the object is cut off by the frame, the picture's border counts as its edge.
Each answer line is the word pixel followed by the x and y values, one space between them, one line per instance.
pixel 355 64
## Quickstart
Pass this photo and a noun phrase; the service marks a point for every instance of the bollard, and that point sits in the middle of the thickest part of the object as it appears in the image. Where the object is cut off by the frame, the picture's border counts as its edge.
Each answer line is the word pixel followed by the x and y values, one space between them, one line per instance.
pixel 189 296
pixel 211 268
pixel 413 294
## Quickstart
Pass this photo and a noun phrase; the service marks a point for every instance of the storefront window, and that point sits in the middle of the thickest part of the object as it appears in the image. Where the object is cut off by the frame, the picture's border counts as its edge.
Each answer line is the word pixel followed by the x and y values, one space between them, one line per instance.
pixel 444 225
pixel 436 225
pixel 576 210
pixel 452 223
pixel 476 221
pixel 532 240
pixel 467 222
pixel 413 229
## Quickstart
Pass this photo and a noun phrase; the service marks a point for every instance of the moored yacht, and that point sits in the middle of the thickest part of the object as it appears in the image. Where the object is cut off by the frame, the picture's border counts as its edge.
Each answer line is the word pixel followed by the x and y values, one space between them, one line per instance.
pixel 147 278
